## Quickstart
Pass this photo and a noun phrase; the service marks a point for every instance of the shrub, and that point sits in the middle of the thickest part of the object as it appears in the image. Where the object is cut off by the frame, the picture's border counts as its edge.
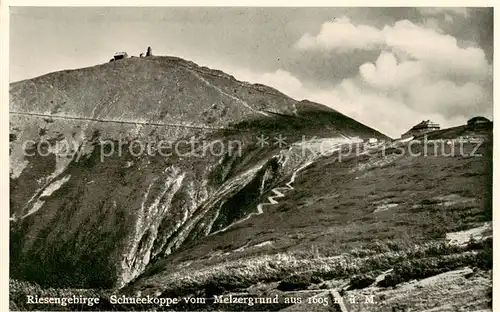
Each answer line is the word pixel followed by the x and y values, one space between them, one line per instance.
pixel 361 281
pixel 295 282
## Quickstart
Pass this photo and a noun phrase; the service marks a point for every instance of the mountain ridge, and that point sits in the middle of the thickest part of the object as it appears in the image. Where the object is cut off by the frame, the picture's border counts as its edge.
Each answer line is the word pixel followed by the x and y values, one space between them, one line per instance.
pixel 137 99
pixel 54 101
pixel 305 199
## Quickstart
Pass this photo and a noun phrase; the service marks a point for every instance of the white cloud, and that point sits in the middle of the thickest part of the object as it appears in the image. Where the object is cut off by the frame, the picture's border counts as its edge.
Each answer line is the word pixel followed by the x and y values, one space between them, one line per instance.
pixel 419 74
pixel 390 111
pixel 448 98
pixel 440 51
pixel 386 73
pixel 405 39
pixel 343 35
pixel 432 23
pixel 420 87
pixel 284 82
pixel 382 111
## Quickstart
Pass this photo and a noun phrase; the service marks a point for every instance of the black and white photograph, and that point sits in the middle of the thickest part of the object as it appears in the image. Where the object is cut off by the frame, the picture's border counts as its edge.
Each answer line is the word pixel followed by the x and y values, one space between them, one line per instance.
pixel 250 158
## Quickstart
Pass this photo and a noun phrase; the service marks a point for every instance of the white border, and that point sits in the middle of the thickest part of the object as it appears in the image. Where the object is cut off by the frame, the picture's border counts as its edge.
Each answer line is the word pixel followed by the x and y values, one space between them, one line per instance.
pixel 259 3
pixel 4 94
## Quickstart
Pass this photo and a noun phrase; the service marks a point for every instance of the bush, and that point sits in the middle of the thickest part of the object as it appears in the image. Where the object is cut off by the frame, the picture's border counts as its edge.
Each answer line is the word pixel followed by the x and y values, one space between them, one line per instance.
pixel 316 279
pixel 361 281
pixel 294 283
pixel 390 280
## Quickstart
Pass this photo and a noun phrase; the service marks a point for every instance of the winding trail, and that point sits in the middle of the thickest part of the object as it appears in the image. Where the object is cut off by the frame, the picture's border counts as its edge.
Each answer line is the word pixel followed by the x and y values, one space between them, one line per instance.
pixel 238 100
pixel 278 192
pixel 272 199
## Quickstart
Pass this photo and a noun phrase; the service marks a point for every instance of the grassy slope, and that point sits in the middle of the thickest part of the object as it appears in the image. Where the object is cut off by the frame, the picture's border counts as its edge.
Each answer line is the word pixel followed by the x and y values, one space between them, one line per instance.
pixel 327 227
pixel 156 89
pixel 102 197
pixel 330 230
pixel 335 211
pixel 333 215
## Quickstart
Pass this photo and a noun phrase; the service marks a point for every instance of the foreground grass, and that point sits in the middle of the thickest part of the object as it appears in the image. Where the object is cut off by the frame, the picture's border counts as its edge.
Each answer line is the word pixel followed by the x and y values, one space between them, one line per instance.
pixel 408 263
pixel 352 242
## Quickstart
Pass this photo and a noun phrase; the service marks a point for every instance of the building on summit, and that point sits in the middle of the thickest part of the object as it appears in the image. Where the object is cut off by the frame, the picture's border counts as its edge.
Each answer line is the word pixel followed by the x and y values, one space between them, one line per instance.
pixel 424 126
pixel 477 122
pixel 124 55
pixel 119 56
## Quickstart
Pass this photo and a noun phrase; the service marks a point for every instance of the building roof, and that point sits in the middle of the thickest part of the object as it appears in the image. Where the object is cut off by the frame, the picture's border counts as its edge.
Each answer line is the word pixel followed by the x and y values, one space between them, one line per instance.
pixel 425 124
pixel 121 53
pixel 478 118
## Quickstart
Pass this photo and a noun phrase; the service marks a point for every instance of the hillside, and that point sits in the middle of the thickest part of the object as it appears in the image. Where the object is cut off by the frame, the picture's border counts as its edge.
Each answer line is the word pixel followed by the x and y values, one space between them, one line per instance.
pixel 382 219
pixel 262 195
pixel 164 90
pixel 137 207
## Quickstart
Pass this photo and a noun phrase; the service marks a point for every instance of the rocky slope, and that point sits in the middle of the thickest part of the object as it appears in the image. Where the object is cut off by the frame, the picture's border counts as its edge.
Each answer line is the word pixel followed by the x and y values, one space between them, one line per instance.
pixel 256 195
pixel 89 210
pixel 378 210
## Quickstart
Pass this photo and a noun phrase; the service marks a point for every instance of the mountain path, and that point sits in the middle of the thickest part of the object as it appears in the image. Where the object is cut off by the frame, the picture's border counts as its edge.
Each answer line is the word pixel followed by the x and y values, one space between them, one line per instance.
pixel 272 199
pixel 178 125
pixel 227 94
pixel 278 192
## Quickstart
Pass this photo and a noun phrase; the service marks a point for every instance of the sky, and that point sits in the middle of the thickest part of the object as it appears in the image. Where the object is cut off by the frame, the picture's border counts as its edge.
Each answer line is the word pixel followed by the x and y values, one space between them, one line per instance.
pixel 388 68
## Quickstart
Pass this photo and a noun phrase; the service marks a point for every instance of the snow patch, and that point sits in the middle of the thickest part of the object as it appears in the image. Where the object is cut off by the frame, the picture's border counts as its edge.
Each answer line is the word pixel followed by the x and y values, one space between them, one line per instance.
pixel 385 207
pixel 405 140
pixel 453 199
pixel 263 244
pixel 16 167
pixel 149 216
pixel 49 189
pixel 462 238
pixel 246 247
pixel 55 186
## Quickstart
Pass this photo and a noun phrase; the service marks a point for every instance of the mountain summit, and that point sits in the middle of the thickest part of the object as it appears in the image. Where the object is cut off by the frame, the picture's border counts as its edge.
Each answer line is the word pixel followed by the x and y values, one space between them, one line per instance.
pixel 82 219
